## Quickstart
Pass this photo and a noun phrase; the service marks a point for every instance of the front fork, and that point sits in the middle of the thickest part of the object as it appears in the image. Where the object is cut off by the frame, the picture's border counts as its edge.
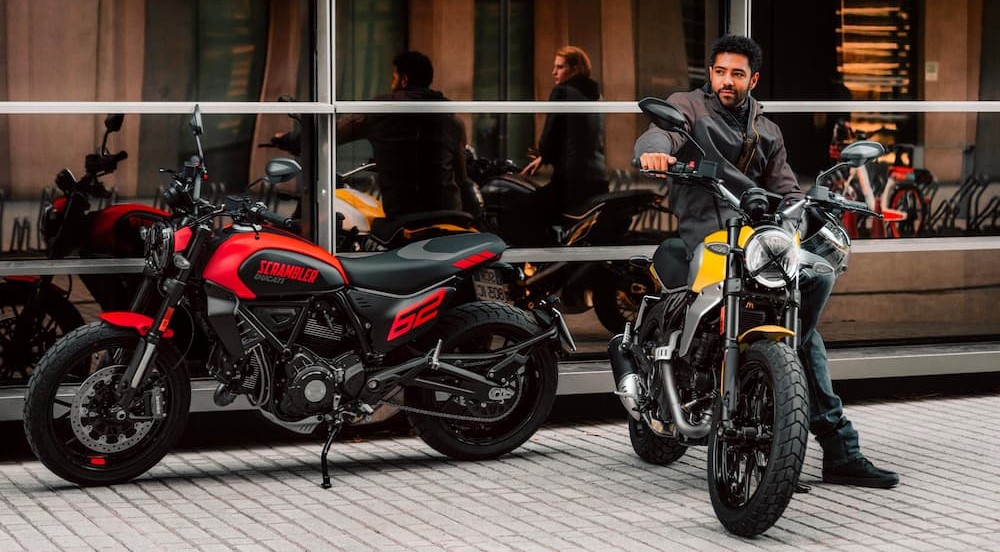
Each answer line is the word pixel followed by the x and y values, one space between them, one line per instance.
pixel 732 290
pixel 138 367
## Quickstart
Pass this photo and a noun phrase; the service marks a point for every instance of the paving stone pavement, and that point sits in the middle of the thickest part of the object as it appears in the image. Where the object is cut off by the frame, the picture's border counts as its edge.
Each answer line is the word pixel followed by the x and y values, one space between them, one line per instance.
pixel 575 486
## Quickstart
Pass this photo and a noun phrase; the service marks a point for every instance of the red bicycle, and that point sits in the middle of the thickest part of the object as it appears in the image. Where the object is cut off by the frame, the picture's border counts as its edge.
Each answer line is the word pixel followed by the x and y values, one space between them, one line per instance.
pixel 892 190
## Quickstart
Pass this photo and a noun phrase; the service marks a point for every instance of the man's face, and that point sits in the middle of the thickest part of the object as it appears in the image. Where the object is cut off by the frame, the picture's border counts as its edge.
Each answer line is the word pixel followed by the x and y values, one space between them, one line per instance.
pixel 560 71
pixel 398 82
pixel 731 78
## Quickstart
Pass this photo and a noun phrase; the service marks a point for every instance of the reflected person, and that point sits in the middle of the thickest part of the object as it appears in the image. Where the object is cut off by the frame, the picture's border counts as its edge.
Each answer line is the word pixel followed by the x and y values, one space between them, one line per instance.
pixel 573 144
pixel 420 157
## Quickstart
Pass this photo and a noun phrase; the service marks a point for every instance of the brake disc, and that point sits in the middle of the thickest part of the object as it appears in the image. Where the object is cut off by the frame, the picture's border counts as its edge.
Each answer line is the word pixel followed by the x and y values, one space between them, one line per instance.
pixel 90 415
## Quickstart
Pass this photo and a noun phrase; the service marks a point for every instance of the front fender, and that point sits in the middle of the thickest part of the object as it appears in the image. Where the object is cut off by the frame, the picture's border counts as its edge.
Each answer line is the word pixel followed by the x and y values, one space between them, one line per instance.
pixel 772 332
pixel 139 322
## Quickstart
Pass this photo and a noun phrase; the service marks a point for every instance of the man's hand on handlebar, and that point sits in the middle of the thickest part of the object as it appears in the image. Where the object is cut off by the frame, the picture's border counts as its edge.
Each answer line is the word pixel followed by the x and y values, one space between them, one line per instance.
pixel 656 162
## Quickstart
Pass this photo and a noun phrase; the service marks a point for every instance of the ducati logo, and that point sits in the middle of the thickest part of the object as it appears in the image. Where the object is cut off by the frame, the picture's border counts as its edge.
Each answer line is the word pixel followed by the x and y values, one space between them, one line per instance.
pixel 277 273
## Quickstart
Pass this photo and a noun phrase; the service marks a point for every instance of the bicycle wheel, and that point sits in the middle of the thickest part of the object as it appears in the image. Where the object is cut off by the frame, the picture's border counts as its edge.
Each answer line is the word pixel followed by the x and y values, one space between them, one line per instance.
pixel 909 201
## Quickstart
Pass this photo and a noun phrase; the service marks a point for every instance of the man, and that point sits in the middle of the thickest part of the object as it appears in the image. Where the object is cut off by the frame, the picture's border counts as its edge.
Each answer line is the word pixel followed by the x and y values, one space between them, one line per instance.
pixel 420 156
pixel 750 150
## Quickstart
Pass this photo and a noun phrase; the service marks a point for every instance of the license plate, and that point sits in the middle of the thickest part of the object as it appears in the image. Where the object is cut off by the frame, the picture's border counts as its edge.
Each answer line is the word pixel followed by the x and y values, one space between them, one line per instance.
pixel 489 285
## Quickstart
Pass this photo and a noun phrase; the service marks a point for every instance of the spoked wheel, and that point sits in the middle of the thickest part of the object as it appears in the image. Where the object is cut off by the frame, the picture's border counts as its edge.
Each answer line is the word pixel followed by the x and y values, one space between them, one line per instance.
pixel 19 353
pixel 475 430
pixel 909 201
pixel 754 464
pixel 68 416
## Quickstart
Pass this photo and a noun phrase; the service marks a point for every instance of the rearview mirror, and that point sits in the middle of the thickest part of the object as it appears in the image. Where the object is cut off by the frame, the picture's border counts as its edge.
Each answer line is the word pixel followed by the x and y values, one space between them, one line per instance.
pixel 113 122
pixel 662 114
pixel 282 169
pixel 195 123
pixel 856 154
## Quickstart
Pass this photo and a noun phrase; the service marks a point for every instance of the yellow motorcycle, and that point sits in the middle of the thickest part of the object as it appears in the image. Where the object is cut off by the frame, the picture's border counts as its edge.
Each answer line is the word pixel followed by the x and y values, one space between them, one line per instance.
pixel 712 358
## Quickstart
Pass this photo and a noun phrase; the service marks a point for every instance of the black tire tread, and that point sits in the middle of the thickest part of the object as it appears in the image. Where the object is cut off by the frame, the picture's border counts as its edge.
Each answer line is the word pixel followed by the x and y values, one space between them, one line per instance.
pixel 651 447
pixel 47 374
pixel 791 440
pixel 462 318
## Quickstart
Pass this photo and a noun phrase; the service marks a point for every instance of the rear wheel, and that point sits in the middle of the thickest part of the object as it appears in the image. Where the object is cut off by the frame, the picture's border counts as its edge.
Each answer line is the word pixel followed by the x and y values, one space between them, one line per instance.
pixel 67 411
pixel 650 446
pixel 620 289
pixel 478 328
pixel 754 465
pixel 19 353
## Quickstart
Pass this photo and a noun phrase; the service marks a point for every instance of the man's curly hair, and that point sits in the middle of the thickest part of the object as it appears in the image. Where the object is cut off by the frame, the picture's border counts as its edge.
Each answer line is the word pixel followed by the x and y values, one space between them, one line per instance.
pixel 738 44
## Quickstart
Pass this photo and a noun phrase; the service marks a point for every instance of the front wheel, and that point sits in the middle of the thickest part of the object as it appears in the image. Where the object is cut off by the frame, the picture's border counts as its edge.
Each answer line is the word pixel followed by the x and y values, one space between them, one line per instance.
pixel 67 410
pixel 478 328
pixel 754 462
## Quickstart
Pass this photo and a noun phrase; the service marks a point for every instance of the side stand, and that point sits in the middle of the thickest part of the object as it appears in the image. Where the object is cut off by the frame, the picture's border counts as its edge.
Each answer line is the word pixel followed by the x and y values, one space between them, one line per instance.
pixel 334 429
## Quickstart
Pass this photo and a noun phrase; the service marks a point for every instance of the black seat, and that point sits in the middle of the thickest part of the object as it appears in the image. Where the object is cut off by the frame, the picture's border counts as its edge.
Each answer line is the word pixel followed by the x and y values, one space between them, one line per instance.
pixel 637 199
pixel 421 264
pixel 394 232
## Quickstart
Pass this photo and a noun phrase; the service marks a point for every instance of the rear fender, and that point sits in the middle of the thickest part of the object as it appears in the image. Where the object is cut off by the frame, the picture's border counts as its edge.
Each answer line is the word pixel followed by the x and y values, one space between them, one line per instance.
pixel 139 322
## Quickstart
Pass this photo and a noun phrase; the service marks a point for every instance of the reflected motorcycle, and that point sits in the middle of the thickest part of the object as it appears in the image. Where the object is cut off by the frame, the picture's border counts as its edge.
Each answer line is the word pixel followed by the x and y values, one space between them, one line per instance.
pixel 34 310
pixel 307 337
pixel 615 287
pixel 712 358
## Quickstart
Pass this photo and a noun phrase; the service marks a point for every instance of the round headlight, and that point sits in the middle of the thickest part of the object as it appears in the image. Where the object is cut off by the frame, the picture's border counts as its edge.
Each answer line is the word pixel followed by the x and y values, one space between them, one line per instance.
pixel 159 245
pixel 772 257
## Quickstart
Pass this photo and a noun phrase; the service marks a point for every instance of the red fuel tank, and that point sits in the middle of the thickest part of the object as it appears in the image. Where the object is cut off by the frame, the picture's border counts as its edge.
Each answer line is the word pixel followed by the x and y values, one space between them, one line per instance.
pixel 272 263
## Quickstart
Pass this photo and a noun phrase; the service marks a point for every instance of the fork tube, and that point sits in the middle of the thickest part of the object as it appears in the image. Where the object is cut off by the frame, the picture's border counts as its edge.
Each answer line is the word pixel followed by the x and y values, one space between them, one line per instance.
pixel 792 320
pixel 132 379
pixel 732 288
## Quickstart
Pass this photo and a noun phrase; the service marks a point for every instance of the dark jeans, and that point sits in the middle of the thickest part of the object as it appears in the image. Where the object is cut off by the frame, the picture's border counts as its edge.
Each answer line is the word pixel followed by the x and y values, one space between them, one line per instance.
pixel 833 430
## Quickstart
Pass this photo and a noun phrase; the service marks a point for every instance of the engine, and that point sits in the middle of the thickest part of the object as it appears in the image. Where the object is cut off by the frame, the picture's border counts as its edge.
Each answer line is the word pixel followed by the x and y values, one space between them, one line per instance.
pixel 321 369
pixel 310 385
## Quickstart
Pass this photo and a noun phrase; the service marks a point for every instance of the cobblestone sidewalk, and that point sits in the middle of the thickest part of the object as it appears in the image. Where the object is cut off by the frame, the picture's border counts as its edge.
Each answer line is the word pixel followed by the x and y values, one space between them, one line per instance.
pixel 572 487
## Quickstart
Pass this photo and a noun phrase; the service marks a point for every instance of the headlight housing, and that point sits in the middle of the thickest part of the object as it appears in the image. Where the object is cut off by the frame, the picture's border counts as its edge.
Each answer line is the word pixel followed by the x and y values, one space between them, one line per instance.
pixel 159 246
pixel 772 257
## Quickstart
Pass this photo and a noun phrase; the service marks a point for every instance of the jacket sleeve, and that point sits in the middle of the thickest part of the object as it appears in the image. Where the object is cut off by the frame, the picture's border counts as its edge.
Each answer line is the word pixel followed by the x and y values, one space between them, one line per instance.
pixel 351 128
pixel 553 133
pixel 778 176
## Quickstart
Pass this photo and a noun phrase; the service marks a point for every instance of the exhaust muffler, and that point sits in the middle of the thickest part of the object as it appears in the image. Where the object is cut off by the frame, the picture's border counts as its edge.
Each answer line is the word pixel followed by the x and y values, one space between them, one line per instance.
pixel 627 384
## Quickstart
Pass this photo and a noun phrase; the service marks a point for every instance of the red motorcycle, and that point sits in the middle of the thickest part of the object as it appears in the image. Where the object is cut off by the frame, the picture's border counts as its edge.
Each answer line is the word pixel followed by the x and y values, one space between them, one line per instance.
pixel 307 337
pixel 34 310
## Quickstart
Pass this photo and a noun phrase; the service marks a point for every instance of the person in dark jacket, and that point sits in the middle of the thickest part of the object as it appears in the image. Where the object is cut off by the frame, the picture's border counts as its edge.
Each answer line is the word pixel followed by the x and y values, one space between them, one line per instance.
pixel 573 144
pixel 726 120
pixel 420 156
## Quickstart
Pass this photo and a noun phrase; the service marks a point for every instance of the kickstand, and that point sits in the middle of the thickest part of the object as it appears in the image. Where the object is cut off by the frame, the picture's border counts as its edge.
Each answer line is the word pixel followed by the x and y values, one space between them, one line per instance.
pixel 801 488
pixel 334 429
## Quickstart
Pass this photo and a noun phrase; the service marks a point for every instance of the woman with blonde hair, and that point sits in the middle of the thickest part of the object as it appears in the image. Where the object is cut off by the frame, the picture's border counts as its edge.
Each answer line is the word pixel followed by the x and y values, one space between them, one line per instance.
pixel 573 143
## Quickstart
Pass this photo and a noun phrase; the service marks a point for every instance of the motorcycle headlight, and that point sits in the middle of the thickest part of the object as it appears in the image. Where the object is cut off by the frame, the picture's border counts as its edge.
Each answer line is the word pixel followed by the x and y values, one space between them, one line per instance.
pixel 159 245
pixel 772 257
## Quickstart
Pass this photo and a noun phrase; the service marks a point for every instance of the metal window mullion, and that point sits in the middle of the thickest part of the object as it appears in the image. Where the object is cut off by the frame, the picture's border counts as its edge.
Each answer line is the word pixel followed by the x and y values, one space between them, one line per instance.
pixel 325 140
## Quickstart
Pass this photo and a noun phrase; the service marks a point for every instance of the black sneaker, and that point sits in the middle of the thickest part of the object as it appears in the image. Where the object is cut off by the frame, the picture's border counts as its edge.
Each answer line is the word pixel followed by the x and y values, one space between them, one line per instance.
pixel 862 473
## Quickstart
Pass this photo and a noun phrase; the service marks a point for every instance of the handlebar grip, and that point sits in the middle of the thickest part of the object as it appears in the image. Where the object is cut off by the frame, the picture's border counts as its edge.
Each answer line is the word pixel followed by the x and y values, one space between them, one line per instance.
pixel 276 219
pixel 120 156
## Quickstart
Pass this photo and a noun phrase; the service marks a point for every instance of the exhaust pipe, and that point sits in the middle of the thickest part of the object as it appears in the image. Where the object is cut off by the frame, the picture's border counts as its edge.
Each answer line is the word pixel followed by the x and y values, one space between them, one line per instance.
pixel 696 431
pixel 626 380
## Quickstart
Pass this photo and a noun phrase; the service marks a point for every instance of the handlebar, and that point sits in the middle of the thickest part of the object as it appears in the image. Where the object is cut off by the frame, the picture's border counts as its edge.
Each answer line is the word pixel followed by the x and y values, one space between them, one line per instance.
pixel 244 209
pixel 100 164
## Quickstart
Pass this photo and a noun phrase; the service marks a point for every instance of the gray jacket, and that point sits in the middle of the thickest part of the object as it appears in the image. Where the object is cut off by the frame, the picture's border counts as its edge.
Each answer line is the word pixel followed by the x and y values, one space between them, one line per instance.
pixel 749 154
